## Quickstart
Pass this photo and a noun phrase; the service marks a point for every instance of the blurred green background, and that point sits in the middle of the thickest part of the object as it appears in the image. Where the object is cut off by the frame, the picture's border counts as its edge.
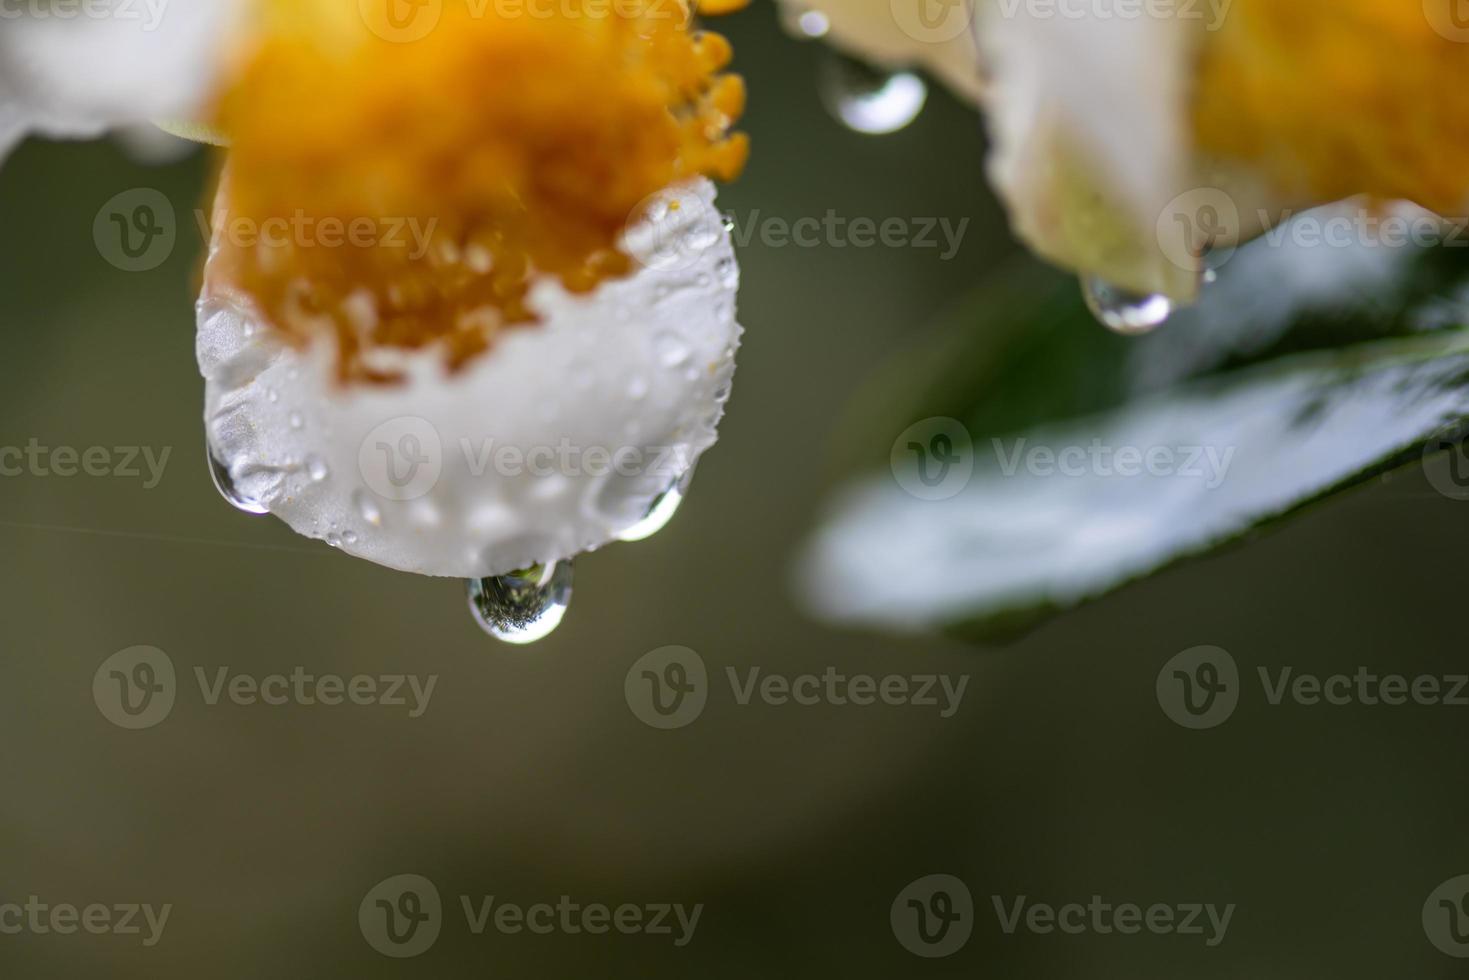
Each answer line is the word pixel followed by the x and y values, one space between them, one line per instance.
pixel 529 778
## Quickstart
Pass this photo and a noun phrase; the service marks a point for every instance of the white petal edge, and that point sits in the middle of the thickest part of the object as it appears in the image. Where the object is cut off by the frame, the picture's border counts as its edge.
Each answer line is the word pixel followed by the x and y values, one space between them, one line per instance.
pixel 640 368
pixel 1088 118
pixel 108 63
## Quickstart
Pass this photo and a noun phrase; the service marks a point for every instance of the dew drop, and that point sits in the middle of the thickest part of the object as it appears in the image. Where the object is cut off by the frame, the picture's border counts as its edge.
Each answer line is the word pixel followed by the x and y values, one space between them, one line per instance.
pixel 637 388
pixel 813 23
pixel 664 506
pixel 524 606
pixel 728 273
pixel 297 421
pixel 803 23
pixel 225 484
pixel 316 469
pixel 368 508
pixel 869 100
pixel 423 515
pixel 1123 311
pixel 699 237
pixel 671 349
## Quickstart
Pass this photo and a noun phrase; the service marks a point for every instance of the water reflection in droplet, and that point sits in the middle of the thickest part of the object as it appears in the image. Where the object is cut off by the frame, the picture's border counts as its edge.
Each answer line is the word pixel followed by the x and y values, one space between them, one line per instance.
pixel 867 99
pixel 524 606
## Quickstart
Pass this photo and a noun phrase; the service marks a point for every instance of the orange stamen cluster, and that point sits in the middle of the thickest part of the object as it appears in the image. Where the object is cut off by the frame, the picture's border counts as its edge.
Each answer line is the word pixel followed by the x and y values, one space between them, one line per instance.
pixel 1335 98
pixel 513 139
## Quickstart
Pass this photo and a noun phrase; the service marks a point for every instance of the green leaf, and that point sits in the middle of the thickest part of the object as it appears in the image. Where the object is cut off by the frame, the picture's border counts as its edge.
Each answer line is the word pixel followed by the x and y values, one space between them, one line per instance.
pixel 1098 460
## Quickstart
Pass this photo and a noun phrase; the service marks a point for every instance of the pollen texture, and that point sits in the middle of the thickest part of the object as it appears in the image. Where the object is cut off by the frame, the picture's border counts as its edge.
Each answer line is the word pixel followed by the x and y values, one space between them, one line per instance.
pixel 1334 98
pixel 405 190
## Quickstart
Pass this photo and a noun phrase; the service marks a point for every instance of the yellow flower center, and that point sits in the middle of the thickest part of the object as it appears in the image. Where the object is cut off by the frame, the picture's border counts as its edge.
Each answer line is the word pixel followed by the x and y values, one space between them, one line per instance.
pixel 1335 98
pixel 403 187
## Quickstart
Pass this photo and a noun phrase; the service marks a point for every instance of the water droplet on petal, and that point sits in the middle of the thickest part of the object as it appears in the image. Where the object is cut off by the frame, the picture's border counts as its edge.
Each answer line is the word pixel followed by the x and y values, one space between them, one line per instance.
pixel 523 606
pixel 368 508
pixel 424 515
pixel 671 349
pixel 225 484
pixel 637 388
pixel 316 469
pixel 297 421
pixel 869 100
pixel 1123 311
pixel 661 512
pixel 728 274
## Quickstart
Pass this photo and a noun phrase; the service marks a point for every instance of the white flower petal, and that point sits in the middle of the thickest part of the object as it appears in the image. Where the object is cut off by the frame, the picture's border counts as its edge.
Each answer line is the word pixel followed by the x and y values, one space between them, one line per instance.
pixel 1087 115
pixel 436 475
pixel 75 70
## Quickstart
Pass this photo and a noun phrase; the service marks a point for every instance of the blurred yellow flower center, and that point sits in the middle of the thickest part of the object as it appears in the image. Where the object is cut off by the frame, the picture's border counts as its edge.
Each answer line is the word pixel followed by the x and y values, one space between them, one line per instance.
pixel 1341 97
pixel 403 181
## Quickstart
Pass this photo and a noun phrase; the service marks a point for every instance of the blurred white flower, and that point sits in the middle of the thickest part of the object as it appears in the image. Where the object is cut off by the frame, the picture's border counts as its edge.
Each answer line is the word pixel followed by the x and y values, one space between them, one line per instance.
pixel 78 70
pixel 1132 139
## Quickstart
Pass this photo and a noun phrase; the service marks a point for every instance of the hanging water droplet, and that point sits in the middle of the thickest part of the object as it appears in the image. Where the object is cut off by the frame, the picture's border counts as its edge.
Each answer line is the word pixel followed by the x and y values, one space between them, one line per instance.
pixel 1123 311
pixel 225 484
pixel 664 506
pixel 802 22
pixel 523 606
pixel 867 99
